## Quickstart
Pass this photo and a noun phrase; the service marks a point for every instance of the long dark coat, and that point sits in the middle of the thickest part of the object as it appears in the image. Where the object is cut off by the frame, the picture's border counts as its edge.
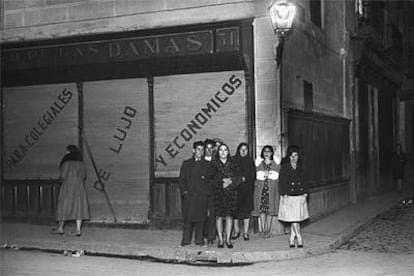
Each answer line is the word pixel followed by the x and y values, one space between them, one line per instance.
pixel 194 187
pixel 225 199
pixel 245 189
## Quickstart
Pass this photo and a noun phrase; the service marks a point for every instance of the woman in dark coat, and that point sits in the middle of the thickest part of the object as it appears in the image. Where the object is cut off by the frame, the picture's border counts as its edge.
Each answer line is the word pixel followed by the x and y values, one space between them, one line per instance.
pixel 244 190
pixel 72 202
pixel 224 177
pixel 293 190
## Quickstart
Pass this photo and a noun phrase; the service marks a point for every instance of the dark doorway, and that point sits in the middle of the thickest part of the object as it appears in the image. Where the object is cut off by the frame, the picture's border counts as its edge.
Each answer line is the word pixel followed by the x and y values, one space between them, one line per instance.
pixel 386 136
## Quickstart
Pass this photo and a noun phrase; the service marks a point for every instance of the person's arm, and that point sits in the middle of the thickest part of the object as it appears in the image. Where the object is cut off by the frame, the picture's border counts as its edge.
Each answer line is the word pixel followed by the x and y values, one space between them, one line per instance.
pixel 182 182
pixel 85 175
pixel 251 173
pixel 282 181
pixel 273 174
pixel 237 178
pixel 214 177
pixel 260 173
pixel 63 171
pixel 305 183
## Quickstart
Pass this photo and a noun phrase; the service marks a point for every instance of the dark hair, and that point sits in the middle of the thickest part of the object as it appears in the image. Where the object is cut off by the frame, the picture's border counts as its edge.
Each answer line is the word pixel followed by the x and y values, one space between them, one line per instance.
pixel 209 142
pixel 291 149
pixel 72 148
pixel 267 147
pixel 217 156
pixel 239 147
pixel 74 154
pixel 198 143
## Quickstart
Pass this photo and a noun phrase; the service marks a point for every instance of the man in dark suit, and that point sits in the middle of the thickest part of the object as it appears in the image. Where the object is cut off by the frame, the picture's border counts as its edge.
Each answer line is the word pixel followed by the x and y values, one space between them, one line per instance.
pixel 210 223
pixel 194 187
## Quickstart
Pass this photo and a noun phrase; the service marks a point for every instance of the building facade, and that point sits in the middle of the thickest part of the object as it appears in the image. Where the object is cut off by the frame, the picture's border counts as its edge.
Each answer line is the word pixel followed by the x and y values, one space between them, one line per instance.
pixel 381 118
pixel 135 83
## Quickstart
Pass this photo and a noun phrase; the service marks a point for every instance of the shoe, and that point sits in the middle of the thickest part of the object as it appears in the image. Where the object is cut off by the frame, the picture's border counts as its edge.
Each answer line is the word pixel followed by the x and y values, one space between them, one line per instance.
pixel 200 244
pixel 184 244
pixel 267 235
pixel 56 231
pixel 235 236
pixel 220 245
pixel 210 242
pixel 75 233
pixel 292 243
pixel 246 237
pixel 299 243
pixel 229 245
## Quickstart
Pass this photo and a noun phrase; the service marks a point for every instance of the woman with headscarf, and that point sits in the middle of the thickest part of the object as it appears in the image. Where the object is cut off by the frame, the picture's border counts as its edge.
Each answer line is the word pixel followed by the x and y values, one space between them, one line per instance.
pixel 244 190
pixel 72 202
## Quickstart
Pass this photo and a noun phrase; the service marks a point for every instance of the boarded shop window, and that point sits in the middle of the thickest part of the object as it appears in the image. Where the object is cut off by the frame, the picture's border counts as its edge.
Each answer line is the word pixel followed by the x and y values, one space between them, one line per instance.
pixel 39 121
pixel 195 107
pixel 116 123
pixel 325 146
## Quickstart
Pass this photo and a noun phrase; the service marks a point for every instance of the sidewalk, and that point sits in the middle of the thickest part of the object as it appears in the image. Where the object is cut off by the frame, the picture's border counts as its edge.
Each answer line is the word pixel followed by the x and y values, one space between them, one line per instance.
pixel 320 237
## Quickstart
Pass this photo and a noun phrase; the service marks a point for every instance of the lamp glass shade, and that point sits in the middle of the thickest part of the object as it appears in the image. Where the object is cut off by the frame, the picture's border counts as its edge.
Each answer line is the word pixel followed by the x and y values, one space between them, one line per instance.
pixel 282 15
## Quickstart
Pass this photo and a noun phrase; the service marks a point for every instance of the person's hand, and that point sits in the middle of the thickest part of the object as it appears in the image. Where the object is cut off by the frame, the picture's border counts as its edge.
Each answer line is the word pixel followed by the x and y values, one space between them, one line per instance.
pixel 285 196
pixel 185 192
pixel 243 179
pixel 305 195
pixel 227 182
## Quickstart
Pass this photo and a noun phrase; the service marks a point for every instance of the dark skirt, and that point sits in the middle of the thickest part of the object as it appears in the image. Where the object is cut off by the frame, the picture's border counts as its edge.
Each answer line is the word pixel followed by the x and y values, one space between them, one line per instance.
pixel 225 202
pixel 244 201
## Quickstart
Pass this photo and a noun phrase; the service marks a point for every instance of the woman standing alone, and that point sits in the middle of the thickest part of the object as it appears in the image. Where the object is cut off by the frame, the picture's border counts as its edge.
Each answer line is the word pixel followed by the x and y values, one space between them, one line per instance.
pixel 72 203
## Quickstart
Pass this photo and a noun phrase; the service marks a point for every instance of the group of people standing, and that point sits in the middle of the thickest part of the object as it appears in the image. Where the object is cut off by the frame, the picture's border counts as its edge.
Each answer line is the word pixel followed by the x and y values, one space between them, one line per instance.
pixel 219 190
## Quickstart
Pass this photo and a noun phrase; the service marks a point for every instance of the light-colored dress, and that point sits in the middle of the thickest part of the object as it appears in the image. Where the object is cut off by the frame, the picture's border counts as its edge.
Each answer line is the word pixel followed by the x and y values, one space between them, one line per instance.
pixel 72 203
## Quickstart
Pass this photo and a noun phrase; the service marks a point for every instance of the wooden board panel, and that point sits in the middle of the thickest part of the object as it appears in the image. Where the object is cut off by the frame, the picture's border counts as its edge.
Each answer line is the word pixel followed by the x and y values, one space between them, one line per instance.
pixel 321 138
pixel 195 107
pixel 116 123
pixel 39 121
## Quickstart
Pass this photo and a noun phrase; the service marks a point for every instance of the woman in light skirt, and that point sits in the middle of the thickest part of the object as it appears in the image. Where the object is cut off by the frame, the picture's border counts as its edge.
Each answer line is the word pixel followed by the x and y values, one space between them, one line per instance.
pixel 293 207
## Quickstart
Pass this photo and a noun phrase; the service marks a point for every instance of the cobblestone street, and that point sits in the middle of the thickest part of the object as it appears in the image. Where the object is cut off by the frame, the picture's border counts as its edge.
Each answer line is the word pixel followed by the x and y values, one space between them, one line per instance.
pixel 390 232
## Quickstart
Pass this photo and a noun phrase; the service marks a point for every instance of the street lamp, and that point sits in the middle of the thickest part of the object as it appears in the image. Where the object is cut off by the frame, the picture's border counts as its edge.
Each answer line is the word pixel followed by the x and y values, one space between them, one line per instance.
pixel 282 14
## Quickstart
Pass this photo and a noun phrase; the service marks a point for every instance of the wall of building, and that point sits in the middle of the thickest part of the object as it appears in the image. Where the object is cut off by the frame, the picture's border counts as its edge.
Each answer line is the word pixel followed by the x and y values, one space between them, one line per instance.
pixel 311 54
pixel 60 18
pixel 318 56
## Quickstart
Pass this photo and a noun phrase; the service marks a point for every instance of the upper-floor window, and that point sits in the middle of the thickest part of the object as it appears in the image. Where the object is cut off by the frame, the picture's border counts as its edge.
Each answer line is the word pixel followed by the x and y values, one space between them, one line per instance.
pixel 308 95
pixel 316 12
